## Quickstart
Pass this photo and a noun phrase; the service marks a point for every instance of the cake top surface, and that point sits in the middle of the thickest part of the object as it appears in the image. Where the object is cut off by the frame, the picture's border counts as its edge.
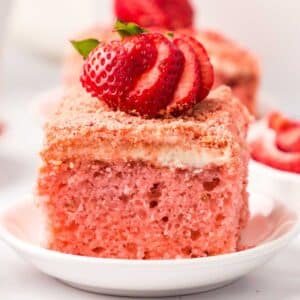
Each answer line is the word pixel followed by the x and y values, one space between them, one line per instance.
pixel 216 119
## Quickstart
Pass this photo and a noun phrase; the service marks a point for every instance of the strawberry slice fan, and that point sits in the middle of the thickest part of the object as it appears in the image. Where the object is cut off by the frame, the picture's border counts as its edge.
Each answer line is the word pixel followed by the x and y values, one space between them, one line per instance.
pixel 145 73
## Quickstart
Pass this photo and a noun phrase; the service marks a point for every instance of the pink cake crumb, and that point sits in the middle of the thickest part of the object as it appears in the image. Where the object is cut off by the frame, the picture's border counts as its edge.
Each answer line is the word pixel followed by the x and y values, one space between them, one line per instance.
pixel 101 200
pixel 136 216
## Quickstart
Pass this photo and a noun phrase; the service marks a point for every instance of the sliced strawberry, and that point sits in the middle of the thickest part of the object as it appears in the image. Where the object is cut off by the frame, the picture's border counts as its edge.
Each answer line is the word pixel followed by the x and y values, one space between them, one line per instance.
pixel 146 73
pixel 265 151
pixel 154 89
pixel 170 14
pixel 111 69
pixel 277 121
pixel 142 52
pixel 288 140
pixel 185 95
pixel 206 68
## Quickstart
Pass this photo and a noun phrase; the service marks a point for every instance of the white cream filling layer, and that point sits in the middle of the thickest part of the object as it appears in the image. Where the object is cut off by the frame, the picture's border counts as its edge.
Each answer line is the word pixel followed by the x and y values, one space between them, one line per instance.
pixel 161 156
pixel 179 158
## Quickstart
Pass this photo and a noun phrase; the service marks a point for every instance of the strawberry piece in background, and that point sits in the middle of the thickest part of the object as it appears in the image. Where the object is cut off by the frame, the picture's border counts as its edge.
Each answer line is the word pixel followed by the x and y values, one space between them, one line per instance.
pixel 169 14
pixel 289 140
pixel 277 121
pixel 277 144
pixel 265 151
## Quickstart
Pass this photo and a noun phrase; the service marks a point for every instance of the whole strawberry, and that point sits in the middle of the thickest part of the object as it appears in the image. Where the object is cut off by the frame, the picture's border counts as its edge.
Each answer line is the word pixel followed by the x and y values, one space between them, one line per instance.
pixel 169 14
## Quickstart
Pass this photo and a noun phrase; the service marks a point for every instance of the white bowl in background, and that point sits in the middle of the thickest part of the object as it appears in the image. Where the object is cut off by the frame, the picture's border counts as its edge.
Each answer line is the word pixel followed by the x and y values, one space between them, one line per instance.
pixel 271 227
pixel 275 183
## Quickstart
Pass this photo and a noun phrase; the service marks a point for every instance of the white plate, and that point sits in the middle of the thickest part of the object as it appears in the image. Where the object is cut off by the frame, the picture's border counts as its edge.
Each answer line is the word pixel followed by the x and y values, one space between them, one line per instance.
pixel 271 227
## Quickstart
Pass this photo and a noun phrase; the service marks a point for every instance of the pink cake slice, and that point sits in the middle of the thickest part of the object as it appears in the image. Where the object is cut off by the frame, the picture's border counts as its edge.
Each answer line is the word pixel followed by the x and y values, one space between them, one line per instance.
pixel 119 186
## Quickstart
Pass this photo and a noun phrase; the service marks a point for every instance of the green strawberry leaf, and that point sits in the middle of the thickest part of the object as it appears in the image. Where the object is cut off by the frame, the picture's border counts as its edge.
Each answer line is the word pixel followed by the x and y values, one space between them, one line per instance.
pixel 128 29
pixel 84 47
pixel 170 34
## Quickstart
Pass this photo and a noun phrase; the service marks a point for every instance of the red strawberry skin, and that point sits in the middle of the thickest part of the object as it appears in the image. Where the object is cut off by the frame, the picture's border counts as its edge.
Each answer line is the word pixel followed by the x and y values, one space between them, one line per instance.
pixel 278 122
pixel 186 93
pixel 112 83
pixel 112 69
pixel 265 151
pixel 169 14
pixel 289 140
pixel 137 75
pixel 179 13
pixel 278 145
pixel 144 13
pixel 146 74
pixel 206 68
pixel 155 88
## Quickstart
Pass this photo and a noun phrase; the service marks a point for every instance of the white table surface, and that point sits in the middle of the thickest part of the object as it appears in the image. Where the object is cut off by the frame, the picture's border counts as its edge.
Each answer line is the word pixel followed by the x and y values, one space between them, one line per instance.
pixel 25 75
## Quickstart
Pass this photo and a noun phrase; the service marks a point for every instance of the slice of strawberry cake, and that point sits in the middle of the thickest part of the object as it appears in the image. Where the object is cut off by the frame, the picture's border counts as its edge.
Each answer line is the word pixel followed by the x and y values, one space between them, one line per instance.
pixel 275 142
pixel 149 166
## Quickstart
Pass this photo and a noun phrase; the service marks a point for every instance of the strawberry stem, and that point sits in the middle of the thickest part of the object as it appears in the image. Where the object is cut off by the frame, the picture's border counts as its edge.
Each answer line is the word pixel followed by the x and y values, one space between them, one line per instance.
pixel 84 47
pixel 128 29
